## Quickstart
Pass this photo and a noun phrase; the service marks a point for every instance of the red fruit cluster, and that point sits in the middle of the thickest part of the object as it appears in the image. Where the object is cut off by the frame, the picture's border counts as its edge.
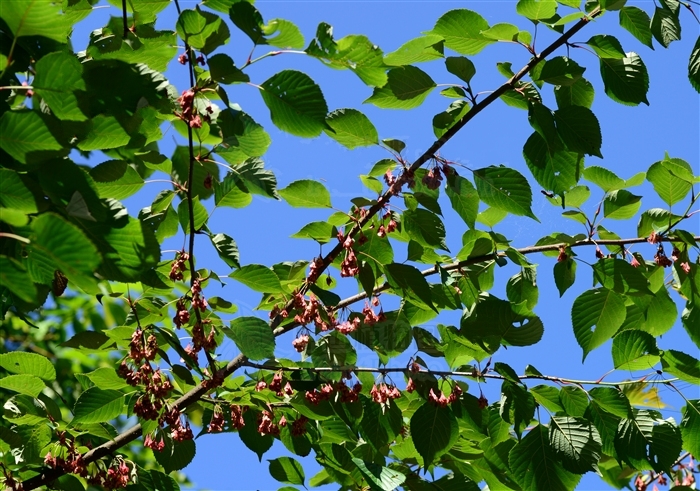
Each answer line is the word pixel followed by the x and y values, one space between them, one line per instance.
pixel 384 393
pixel 188 114
pixel 179 265
pixel 347 327
pixel 300 342
pixel 346 394
pixel 370 317
pixel 67 457
pixel 299 426
pixel 267 425
pixel 443 400
pixel 316 396
pixel 433 178
pixel 119 475
pixel 389 228
pixel 349 267
pixel 563 256
pixel 150 441
pixel 237 420
pixel 216 425
pixel 483 402
pixel 140 350
pixel 314 270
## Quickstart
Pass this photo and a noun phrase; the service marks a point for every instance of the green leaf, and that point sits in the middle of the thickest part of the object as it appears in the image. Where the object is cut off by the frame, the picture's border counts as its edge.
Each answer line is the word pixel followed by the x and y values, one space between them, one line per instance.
pixel 634 350
pixel 306 194
pixel 463 197
pixel 547 396
pixel 421 49
pixel 620 276
pixel 434 430
pixel 143 43
pixel 287 470
pixel 462 31
pixel 522 287
pixel 665 26
pixel 601 308
pixel 683 366
pixel 410 281
pixel 379 478
pixel 355 52
pixel 351 128
pixel 58 76
pixel 564 275
pixel 34 438
pixel 580 93
pixel 15 277
pixel 665 446
pixel 58 244
pixel 259 278
pixel 224 71
pixel 603 178
pixel 106 378
pixel 105 132
pixel 425 227
pixel 576 442
pixel 536 9
pixel 243 139
pixel 544 470
pixel 202 30
pixel 621 205
pixel 561 71
pixel 611 400
pixel 626 79
pixel 504 188
pixel 443 121
pixel 175 455
pixel 637 23
pixel 574 401
pixel 296 103
pixel 227 249
pixel 690 426
pixel 461 67
pixel 502 32
pixel 406 88
pixel 25 136
pixel 606 46
pixel 253 337
pixel 579 129
pixel 116 179
pixel 36 18
pixel 556 171
pixel 232 192
pixel 97 406
pixel 288 34
pixel 321 232
pixel 25 383
pixel 199 211
pixel 668 185
pixel 694 66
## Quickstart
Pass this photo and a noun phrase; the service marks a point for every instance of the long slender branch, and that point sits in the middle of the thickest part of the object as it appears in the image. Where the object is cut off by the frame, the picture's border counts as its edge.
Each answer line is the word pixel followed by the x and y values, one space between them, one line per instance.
pixel 450 373
pixel 198 391
pixel 474 260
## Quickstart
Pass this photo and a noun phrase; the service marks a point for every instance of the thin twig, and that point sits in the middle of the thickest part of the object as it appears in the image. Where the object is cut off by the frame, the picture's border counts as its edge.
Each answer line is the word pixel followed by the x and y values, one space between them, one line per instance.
pixel 450 373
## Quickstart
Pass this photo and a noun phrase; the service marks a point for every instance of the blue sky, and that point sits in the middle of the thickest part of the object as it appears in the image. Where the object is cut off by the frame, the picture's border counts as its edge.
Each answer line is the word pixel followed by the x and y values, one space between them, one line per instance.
pixel 633 139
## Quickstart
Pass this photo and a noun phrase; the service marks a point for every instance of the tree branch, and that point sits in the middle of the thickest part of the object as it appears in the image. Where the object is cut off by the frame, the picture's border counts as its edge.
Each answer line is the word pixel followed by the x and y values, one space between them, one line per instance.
pixel 476 374
pixel 48 475
pixel 486 257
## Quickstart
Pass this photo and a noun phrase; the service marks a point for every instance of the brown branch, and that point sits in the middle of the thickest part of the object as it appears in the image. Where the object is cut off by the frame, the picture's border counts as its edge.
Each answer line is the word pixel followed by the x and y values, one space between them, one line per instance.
pixel 48 475
pixel 486 257
pixel 451 373
pixel 124 17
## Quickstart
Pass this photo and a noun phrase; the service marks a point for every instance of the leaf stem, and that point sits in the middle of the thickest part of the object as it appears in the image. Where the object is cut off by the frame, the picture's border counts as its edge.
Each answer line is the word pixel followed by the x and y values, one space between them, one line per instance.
pixel 16 237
